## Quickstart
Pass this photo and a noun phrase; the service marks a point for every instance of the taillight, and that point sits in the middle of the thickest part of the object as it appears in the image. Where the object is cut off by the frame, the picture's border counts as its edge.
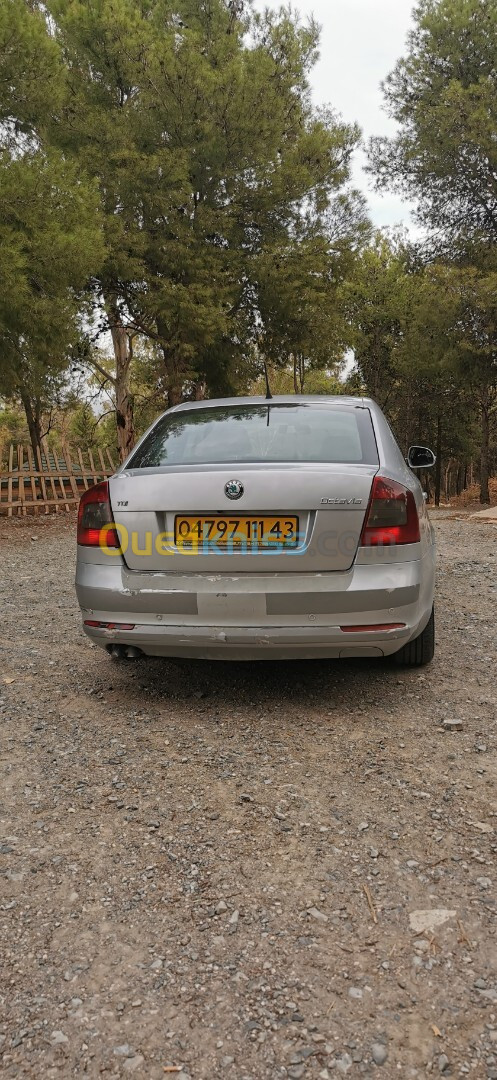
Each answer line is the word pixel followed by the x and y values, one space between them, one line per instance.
pixel 392 516
pixel 109 625
pixel 370 628
pixel 95 515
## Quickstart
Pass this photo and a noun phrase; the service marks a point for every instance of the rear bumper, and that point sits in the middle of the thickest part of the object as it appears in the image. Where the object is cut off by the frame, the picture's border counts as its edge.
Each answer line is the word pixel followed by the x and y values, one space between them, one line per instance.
pixel 254 643
pixel 250 617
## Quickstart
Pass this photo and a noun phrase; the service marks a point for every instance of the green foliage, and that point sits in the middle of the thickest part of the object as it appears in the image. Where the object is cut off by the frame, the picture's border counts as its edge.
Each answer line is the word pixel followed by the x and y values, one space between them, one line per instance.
pixel 49 244
pixel 165 176
pixel 299 286
pixel 282 381
pixel 82 426
pixel 414 329
pixel 214 169
pixel 376 301
pixel 13 429
pixel 32 76
pixel 443 95
pixel 49 218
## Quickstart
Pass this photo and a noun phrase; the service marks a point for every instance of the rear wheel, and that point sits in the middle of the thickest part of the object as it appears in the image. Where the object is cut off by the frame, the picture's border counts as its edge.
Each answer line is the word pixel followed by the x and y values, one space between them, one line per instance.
pixel 420 651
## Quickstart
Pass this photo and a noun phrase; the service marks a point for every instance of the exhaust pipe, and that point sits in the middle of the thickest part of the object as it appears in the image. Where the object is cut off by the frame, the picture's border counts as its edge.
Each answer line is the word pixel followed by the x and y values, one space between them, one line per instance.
pixel 132 652
pixel 124 652
pixel 117 652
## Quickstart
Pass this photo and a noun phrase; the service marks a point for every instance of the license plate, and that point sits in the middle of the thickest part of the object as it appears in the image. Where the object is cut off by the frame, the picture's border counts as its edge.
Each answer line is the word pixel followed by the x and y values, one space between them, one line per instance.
pixel 249 533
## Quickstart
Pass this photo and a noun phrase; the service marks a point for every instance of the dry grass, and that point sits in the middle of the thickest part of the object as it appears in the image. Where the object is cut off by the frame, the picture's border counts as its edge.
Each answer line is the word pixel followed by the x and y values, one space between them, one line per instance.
pixel 471 497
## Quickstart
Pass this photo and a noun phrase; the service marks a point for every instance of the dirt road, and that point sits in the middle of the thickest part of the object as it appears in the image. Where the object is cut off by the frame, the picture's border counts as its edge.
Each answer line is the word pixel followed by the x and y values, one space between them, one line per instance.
pixel 223 868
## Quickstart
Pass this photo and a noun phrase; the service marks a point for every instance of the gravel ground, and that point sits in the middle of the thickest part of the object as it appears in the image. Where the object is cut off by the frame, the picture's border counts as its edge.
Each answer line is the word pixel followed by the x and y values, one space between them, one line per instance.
pixel 225 868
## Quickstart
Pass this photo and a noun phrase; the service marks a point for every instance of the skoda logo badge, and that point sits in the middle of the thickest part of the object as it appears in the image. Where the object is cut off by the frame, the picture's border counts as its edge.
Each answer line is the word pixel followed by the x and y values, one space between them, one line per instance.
pixel 234 489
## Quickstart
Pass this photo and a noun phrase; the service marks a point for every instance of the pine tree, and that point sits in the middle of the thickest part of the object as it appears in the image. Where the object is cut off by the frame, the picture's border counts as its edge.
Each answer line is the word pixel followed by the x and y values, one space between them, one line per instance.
pixel 49 220
pixel 196 123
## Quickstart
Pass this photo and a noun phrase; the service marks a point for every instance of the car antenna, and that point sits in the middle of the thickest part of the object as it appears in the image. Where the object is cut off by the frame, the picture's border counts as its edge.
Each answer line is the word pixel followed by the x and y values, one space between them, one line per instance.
pixel 269 396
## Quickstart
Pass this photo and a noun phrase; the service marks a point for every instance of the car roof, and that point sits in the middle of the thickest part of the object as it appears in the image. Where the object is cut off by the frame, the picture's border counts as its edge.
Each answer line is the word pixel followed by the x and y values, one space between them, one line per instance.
pixel 277 399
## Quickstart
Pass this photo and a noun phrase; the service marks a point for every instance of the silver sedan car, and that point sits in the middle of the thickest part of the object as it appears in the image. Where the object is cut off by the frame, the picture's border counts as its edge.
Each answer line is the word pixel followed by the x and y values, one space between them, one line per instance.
pixel 252 528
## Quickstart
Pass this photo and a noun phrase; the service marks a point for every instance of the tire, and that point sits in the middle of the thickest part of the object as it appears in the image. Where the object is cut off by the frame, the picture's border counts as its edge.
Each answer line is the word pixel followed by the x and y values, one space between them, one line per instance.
pixel 420 651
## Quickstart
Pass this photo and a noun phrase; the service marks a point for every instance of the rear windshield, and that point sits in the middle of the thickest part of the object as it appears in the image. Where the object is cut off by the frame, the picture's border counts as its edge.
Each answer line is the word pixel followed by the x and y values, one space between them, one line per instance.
pixel 259 433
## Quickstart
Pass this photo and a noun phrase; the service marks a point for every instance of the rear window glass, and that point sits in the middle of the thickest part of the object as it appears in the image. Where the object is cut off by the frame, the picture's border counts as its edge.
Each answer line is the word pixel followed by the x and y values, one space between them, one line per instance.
pixel 260 433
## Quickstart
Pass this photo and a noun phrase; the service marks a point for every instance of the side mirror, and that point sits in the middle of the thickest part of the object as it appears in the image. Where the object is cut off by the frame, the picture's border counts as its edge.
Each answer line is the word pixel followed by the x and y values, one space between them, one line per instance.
pixel 419 457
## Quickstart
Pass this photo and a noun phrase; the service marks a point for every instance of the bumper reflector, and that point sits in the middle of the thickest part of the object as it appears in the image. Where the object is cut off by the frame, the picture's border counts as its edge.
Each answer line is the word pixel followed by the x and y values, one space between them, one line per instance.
pixel 376 628
pixel 109 625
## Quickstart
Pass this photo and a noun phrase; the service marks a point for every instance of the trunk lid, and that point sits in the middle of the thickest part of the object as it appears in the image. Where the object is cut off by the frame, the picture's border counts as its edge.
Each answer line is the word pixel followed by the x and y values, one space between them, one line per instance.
pixel 329 500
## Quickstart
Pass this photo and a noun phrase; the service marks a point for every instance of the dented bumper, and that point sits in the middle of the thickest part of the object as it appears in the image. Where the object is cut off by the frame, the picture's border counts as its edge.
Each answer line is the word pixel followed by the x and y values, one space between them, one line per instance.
pixel 258 616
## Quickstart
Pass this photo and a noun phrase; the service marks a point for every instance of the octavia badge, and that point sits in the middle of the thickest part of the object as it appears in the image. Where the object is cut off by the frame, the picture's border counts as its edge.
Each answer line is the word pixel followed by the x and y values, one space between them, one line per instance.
pixel 234 489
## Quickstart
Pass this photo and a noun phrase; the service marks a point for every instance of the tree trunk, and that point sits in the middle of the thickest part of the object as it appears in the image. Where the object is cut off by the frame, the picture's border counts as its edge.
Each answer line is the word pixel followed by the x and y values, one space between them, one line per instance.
pixel 459 479
pixel 33 417
pixel 200 390
pixel 124 415
pixel 174 395
pixel 174 383
pixel 438 467
pixel 302 373
pixel 485 449
pixel 123 355
pixel 172 367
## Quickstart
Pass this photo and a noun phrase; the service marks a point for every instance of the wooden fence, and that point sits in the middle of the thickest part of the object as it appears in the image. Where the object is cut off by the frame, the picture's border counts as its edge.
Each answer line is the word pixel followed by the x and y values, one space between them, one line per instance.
pixel 55 480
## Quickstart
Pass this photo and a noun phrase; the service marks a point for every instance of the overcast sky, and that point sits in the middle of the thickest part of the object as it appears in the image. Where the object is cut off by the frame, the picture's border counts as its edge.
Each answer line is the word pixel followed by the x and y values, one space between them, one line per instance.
pixel 360 43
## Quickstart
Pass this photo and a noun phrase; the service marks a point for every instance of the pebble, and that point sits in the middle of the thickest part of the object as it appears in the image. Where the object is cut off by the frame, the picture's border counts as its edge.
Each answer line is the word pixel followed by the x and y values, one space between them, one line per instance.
pixel 379 1053
pixel 453 724
pixel 343 1064
pixel 221 907
pixel 58 1038
pixel 443 1063
pixel 315 913
pixel 133 1063
pixel 430 919
pixel 355 992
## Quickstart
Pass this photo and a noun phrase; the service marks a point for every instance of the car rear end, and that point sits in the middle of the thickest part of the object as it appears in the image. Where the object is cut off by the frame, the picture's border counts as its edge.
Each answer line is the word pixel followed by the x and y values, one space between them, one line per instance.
pixel 250 529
